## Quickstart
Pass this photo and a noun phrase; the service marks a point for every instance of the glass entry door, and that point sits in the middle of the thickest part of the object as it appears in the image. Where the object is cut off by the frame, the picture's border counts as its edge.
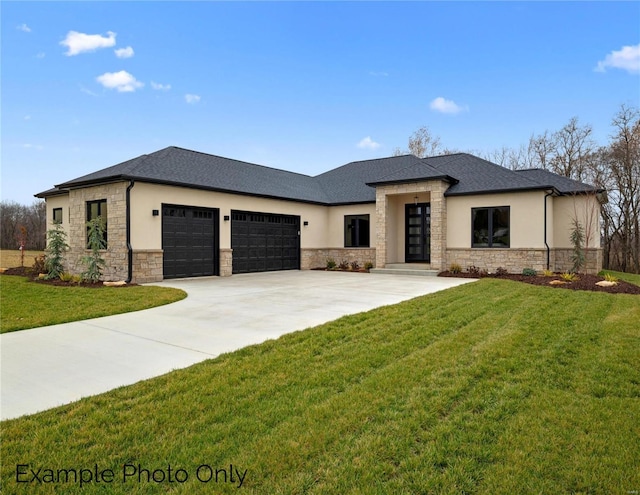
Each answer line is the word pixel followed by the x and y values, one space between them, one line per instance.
pixel 418 233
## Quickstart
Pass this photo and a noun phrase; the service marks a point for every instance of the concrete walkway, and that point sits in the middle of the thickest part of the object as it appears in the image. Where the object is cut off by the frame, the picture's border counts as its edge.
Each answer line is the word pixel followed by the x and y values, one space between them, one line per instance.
pixel 49 366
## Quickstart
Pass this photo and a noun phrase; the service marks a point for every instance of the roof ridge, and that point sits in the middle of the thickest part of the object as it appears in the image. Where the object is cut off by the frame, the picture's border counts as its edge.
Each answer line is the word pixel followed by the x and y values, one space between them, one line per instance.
pixel 239 161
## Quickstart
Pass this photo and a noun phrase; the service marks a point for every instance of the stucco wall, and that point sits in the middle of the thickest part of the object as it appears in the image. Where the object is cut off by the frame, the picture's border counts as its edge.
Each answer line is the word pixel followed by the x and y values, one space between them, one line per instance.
pixel 526 218
pixel 53 202
pixel 584 208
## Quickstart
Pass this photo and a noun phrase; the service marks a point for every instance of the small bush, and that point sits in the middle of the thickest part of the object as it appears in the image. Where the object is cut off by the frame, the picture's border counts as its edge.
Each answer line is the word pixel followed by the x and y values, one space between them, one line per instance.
pixel 344 265
pixel 66 277
pixel 529 272
pixel 331 263
pixel 474 270
pixel 569 277
pixel 38 265
pixel 500 271
pixel 355 266
pixel 455 268
pixel 484 273
pixel 611 278
pixel 368 265
pixel 547 273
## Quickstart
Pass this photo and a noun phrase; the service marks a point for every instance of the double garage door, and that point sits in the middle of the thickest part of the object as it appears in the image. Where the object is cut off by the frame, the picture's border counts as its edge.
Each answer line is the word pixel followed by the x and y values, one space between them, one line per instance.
pixel 260 241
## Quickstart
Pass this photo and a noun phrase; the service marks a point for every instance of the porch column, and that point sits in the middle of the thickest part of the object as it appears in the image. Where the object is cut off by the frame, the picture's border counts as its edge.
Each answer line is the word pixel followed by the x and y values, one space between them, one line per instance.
pixel 382 210
pixel 438 225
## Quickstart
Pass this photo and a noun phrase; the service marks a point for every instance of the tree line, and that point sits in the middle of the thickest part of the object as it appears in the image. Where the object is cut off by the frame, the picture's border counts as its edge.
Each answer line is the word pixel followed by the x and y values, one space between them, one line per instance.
pixel 572 152
pixel 23 225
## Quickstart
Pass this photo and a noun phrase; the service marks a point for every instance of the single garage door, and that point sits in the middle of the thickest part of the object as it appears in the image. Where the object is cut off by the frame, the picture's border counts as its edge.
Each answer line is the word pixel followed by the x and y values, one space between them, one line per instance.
pixel 190 241
pixel 263 242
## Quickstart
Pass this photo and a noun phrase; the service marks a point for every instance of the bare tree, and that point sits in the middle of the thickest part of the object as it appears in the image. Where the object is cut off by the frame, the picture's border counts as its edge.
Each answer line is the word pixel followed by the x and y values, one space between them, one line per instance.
pixel 422 144
pixel 33 218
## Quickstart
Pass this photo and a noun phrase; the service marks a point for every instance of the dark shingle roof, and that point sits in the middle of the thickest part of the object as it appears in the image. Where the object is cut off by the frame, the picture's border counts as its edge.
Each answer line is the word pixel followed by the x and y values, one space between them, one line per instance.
pixel 352 183
pixel 563 185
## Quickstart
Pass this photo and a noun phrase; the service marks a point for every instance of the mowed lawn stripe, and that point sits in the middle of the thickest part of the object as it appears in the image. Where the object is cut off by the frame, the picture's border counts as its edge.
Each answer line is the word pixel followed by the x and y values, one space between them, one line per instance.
pixel 491 387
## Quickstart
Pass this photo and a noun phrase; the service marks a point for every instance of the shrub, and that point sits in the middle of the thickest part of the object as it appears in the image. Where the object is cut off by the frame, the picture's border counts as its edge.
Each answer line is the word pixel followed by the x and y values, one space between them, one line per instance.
pixel 331 263
pixel 66 277
pixel 38 265
pixel 94 262
pixel 500 271
pixel 368 265
pixel 355 266
pixel 344 265
pixel 484 273
pixel 474 270
pixel 547 273
pixel 577 239
pixel 569 277
pixel 54 253
pixel 455 268
pixel 529 272
pixel 610 278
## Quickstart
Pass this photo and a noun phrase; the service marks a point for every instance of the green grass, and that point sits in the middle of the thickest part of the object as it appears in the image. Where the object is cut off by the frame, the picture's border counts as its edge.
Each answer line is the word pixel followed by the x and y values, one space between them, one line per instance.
pixel 632 278
pixel 494 387
pixel 27 304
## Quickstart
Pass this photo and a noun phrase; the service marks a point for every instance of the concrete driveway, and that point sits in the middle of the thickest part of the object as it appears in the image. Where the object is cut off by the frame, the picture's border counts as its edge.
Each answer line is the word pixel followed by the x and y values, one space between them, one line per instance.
pixel 50 366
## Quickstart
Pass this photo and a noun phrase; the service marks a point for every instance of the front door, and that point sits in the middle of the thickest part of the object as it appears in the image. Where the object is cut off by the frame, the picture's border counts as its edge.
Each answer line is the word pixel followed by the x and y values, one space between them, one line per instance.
pixel 417 233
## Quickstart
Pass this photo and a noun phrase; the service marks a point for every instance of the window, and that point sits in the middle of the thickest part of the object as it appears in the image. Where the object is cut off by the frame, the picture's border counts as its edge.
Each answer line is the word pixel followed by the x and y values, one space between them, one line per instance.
pixel 57 215
pixel 356 231
pixel 490 227
pixel 97 209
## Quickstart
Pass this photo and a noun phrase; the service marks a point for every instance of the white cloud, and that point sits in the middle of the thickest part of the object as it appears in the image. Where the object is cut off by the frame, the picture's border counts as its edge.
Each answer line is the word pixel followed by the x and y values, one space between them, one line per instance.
pixel 189 98
pixel 443 105
pixel 24 27
pixel 628 58
pixel 30 146
pixel 41 55
pixel 27 117
pixel 160 87
pixel 121 81
pixel 88 91
pixel 124 52
pixel 80 42
pixel 378 74
pixel 368 143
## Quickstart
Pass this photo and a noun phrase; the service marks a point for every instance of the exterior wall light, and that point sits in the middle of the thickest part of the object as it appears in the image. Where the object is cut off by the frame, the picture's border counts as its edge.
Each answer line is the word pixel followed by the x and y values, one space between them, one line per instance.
pixel 155 213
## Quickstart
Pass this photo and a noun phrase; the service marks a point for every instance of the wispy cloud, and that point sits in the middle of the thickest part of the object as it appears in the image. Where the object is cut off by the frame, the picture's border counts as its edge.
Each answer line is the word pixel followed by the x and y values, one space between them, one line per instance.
pixel 29 146
pixel 121 81
pixel 191 99
pixel 160 87
pixel 443 105
pixel 378 74
pixel 77 43
pixel 88 91
pixel 368 143
pixel 24 28
pixel 124 52
pixel 627 58
pixel 27 117
pixel 41 55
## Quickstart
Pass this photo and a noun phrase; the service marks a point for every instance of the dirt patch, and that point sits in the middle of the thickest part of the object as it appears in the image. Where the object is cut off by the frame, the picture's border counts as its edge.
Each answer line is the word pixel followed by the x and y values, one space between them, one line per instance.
pixel 584 282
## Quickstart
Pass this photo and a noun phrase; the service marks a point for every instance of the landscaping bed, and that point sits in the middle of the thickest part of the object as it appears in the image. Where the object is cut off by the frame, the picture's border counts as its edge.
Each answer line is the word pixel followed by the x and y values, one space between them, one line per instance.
pixel 24 271
pixel 582 282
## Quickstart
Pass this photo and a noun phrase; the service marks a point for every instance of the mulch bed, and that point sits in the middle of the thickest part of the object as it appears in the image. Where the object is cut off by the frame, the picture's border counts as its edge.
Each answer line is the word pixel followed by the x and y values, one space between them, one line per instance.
pixel 585 282
pixel 24 271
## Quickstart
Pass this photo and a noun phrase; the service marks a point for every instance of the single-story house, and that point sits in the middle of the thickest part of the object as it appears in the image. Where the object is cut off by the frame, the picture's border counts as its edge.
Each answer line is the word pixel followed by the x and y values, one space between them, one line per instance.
pixel 181 213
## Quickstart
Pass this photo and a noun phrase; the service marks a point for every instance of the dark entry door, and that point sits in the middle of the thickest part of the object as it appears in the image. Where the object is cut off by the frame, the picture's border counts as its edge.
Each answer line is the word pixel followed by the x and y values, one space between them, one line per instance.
pixel 418 233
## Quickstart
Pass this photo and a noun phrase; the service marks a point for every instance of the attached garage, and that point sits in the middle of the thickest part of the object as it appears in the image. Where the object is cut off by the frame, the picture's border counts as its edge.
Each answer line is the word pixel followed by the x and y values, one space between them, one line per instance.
pixel 190 241
pixel 263 242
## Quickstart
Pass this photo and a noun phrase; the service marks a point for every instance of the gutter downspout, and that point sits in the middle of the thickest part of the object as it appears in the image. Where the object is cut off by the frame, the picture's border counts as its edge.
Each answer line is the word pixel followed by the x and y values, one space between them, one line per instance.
pixel 545 229
pixel 128 219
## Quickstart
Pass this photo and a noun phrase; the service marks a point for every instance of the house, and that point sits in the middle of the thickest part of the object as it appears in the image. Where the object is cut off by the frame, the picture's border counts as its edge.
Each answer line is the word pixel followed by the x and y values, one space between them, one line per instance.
pixel 181 213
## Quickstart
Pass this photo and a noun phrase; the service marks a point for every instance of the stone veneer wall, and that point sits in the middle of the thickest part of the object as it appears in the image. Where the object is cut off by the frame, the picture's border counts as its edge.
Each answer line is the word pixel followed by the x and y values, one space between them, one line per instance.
pixel 317 257
pixel 226 262
pixel 147 265
pixel 515 260
pixel 115 255
pixel 438 203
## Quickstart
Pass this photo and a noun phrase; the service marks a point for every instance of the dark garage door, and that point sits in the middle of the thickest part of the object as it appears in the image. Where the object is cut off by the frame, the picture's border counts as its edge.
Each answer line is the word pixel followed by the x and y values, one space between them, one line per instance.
pixel 263 242
pixel 190 241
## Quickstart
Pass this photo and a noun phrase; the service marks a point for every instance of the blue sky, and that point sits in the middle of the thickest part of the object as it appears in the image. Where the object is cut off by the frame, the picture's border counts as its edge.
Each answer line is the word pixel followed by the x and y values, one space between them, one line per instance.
pixel 301 86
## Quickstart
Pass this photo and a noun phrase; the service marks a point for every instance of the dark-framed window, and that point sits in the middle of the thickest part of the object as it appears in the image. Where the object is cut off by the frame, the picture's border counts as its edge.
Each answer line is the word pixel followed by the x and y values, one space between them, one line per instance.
pixel 57 215
pixel 95 209
pixel 356 231
pixel 490 227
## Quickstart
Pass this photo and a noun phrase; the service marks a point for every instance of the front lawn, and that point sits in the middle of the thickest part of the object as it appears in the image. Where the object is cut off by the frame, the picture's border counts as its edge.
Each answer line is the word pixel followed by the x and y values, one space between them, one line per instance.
pixel 26 304
pixel 495 387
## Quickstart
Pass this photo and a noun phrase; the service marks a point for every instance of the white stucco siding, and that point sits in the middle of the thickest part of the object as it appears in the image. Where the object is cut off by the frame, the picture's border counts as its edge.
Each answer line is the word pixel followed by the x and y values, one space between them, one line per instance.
pixel 584 208
pixel 526 217
pixel 146 230
pixel 335 223
pixel 53 202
